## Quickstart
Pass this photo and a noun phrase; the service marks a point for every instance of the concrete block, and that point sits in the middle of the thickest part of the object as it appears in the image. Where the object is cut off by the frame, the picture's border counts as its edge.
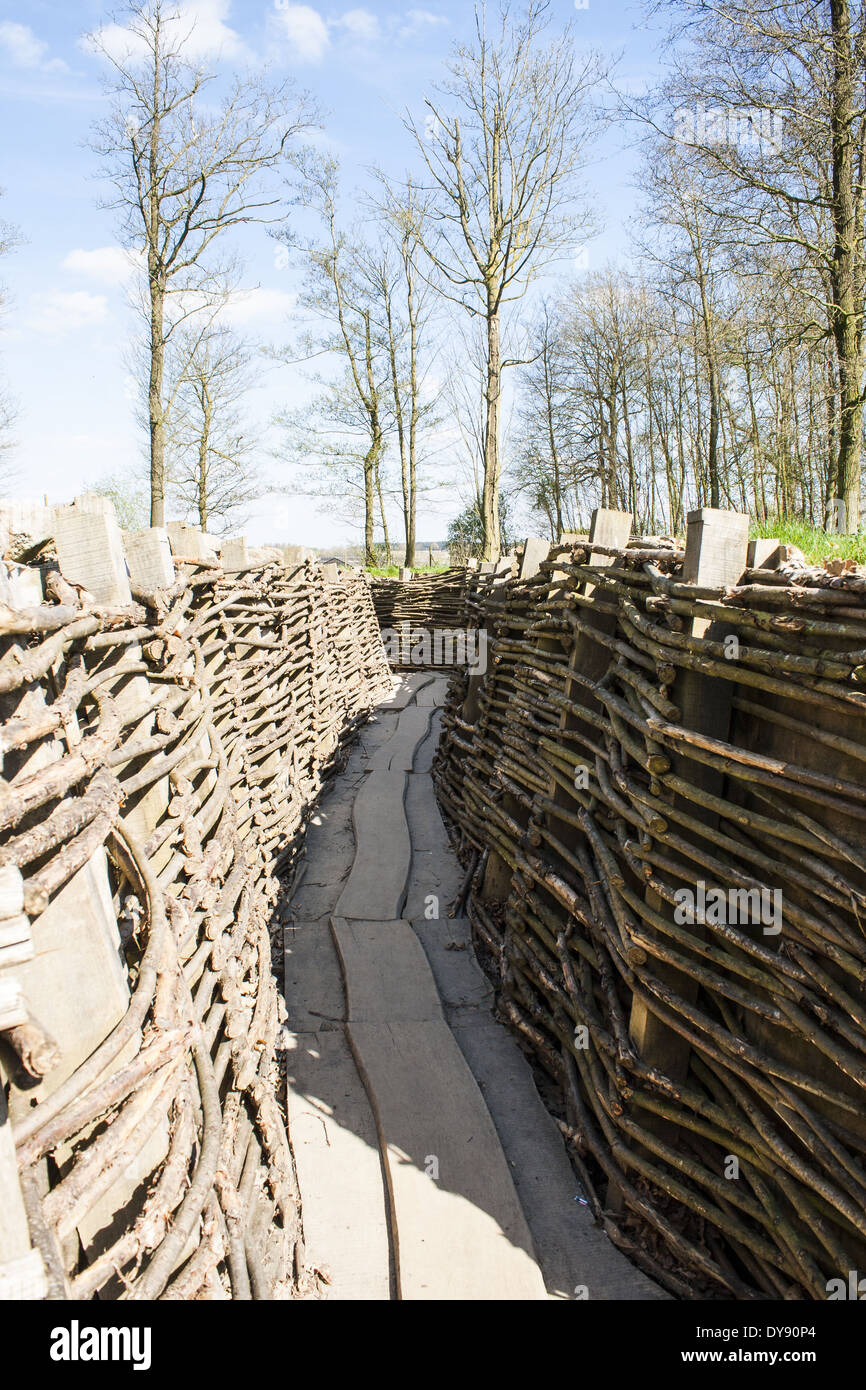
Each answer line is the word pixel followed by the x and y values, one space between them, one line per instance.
pixel 90 550
pixel 191 544
pixel 148 555
pixel 77 982
pixel 14 1230
pixel 234 554
pixel 90 503
pixel 535 550
pixel 21 586
pixel 24 526
pixel 764 554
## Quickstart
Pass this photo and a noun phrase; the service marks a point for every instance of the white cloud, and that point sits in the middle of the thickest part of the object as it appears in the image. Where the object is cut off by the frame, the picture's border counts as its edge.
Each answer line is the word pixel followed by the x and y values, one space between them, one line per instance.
pixel 306 31
pixel 200 23
pixel 310 34
pixel 57 313
pixel 210 33
pixel 417 20
pixel 361 24
pixel 108 265
pixel 246 307
pixel 25 50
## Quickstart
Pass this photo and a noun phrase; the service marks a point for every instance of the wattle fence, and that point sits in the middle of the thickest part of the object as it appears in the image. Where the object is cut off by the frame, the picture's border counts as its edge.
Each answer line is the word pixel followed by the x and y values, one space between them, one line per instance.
pixel 413 613
pixel 659 783
pixel 167 723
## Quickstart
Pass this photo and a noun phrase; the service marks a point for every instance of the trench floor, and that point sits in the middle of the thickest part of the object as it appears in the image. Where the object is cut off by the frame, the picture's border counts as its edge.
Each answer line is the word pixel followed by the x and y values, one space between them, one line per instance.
pixel 428 1166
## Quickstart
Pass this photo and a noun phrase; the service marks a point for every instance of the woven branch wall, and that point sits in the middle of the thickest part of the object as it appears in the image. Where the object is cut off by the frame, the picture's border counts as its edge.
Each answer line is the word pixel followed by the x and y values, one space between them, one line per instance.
pixel 159 763
pixel 416 608
pixel 712 1073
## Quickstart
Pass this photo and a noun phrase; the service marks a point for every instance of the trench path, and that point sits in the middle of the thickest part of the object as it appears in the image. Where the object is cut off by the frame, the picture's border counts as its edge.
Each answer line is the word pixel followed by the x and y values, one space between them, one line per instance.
pixel 428 1166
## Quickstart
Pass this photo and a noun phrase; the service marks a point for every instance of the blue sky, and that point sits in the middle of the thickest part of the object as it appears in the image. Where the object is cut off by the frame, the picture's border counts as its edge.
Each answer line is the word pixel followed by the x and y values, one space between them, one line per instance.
pixel 64 342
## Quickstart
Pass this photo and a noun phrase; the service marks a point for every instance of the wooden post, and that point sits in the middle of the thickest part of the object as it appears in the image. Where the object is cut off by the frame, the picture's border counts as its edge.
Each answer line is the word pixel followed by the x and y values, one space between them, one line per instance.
pixel 589 658
pixel 535 551
pixel 715 555
pixel 149 559
pixel 90 549
pixel 189 543
pixel 234 554
pixel 22 1273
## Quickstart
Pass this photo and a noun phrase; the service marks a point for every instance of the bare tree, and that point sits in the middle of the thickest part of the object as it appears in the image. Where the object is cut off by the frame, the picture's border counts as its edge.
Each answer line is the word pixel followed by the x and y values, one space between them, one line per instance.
pixel 348 289
pixel 211 453
pixel 406 303
pixel 504 139
pixel 186 167
pixel 9 238
pixel 129 495
pixel 770 100
pixel 543 463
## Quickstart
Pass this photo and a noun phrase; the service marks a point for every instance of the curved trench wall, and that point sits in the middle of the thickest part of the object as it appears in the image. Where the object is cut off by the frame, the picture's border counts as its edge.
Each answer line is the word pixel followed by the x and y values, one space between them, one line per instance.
pixel 421 618
pixel 660 737
pixel 162 747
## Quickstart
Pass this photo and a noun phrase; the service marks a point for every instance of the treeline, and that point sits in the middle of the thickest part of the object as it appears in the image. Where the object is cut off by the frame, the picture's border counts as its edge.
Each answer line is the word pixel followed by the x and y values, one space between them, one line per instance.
pixel 728 370
pixel 630 403
pixel 725 368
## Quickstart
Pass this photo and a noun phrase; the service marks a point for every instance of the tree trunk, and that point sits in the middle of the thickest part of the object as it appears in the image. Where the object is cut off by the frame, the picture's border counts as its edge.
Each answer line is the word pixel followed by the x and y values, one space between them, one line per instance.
pixel 554 452
pixel 414 417
pixel 156 420
pixel 713 449
pixel 490 497
pixel 409 551
pixel 760 502
pixel 385 535
pixel 846 290
pixel 369 499
pixel 203 445
pixel 832 436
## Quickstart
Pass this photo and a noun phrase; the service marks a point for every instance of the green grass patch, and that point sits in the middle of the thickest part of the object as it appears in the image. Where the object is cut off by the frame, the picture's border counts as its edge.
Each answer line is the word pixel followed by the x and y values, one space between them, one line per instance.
pixel 393 571
pixel 816 545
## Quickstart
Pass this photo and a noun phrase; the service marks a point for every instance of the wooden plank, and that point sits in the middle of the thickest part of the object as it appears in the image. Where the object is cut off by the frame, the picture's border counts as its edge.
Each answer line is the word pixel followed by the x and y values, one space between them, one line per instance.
pixel 376 886
pixel 385 972
pixel 90 549
pixel 336 1150
pixel 398 754
pixel 406 689
pixel 716 546
pixel 590 658
pixel 459 1230
pixel 433 696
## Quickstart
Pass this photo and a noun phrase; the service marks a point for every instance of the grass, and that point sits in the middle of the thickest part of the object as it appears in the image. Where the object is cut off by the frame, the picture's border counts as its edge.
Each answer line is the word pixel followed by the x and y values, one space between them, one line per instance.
pixel 816 545
pixel 393 571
